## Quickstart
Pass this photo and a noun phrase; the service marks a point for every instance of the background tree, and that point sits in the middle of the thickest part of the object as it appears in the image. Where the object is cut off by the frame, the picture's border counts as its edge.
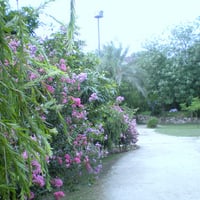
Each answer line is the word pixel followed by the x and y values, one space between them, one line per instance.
pixel 120 67
pixel 172 68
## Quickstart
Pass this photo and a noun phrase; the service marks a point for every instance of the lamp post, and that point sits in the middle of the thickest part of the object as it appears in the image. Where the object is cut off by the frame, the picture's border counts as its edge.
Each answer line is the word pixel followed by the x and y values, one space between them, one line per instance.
pixel 100 15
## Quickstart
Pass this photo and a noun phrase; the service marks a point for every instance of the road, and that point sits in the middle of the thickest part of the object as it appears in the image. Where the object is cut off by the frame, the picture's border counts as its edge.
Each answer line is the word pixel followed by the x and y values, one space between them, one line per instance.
pixel 163 168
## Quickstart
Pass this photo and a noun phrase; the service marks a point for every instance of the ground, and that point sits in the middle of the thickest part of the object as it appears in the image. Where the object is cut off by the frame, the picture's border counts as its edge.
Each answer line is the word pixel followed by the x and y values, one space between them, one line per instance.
pixel 163 168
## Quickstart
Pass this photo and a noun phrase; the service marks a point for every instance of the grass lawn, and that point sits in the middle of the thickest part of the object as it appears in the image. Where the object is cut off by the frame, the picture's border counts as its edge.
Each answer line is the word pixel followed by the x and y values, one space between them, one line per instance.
pixel 184 130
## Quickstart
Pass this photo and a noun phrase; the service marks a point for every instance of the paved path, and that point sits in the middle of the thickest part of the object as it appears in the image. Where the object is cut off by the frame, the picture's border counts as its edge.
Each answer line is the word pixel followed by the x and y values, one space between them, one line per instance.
pixel 163 168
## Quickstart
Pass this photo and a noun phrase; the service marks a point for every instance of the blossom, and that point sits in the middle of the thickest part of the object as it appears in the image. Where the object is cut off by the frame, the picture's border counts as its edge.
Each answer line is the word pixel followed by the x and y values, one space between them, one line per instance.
pixel 93 97
pixel 64 101
pixel 43 117
pixel 32 196
pixel 57 182
pixel 67 160
pixel 33 137
pixel 50 79
pixel 25 155
pixel 59 160
pixel 76 102
pixel 97 169
pixel 13 44
pixel 79 115
pixel 37 167
pixel 77 160
pixel 81 77
pixel 62 65
pixel 6 62
pixel 80 140
pixel 38 179
pixel 32 76
pixel 50 88
pixel 119 99
pixel 32 50
pixel 58 195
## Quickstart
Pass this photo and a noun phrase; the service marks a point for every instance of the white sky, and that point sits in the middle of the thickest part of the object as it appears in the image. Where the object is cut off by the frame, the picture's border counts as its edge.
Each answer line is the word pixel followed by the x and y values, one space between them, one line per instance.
pixel 129 22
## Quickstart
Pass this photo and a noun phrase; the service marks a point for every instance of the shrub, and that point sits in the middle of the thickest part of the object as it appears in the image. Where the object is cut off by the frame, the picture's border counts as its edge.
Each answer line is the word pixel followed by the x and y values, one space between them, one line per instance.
pixel 153 122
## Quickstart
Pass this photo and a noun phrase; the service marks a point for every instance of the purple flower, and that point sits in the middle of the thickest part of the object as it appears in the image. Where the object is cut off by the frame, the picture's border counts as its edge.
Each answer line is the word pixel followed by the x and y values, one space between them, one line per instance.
pixel 32 196
pixel 57 182
pixel 32 50
pixel 77 160
pixel 37 167
pixel 50 88
pixel 119 99
pixel 39 180
pixel 13 45
pixel 81 77
pixel 25 155
pixel 58 195
pixel 93 97
pixel 32 76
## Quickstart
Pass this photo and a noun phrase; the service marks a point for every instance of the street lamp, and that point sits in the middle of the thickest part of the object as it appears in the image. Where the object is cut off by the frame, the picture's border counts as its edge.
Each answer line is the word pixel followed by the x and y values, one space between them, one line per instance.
pixel 100 15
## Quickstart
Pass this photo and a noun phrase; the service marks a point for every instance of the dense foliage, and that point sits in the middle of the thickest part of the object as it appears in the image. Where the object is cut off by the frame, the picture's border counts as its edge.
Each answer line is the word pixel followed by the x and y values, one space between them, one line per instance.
pixel 58 115
pixel 172 68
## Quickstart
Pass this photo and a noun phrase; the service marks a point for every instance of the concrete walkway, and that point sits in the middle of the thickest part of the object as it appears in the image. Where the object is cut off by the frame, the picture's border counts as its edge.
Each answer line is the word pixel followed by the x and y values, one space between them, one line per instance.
pixel 163 168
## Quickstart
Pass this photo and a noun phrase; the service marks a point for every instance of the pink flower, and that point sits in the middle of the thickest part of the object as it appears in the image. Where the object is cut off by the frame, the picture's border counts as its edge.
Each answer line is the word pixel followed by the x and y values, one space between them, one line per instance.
pixel 42 71
pixel 43 117
pixel 25 155
pixel 60 160
pixel 32 76
pixel 57 182
pixel 63 67
pixel 38 180
pixel 79 115
pixel 50 88
pixel 32 196
pixel 77 102
pixel 6 62
pixel 50 79
pixel 67 160
pixel 64 101
pixel 77 159
pixel 58 195
pixel 37 167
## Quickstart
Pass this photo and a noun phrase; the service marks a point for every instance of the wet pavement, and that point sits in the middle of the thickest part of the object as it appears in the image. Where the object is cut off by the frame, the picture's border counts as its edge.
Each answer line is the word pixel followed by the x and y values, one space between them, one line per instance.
pixel 163 168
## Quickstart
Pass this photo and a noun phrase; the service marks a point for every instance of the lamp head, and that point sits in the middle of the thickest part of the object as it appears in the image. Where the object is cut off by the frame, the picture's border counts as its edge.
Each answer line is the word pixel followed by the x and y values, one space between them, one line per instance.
pixel 100 15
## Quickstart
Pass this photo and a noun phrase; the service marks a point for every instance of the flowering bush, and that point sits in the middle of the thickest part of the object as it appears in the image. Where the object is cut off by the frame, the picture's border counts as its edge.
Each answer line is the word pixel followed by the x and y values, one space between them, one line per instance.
pixel 56 118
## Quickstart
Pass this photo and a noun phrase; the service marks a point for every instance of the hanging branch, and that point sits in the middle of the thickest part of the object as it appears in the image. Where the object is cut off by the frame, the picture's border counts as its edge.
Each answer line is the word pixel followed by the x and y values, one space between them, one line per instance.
pixel 71 26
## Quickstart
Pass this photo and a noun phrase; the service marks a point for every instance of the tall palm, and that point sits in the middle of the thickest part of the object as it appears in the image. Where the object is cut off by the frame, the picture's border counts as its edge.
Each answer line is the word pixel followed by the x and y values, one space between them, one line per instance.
pixel 120 67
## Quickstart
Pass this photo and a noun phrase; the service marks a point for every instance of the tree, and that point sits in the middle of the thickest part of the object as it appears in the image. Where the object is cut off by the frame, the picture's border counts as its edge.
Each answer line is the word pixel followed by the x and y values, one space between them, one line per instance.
pixel 172 67
pixel 120 67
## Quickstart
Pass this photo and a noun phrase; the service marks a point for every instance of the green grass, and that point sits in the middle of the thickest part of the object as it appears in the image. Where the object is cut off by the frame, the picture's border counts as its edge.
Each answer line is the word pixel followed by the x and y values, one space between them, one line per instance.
pixel 183 130
pixel 86 191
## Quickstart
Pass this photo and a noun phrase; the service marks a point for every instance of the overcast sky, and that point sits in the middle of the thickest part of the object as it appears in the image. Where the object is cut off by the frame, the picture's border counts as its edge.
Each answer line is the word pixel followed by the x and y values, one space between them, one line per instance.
pixel 129 22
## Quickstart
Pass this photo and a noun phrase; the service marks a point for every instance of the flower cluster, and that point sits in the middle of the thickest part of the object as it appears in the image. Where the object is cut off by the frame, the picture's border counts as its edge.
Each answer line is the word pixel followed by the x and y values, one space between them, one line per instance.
pixel 93 97
pixel 119 99
pixel 58 195
pixel 57 182
pixel 37 178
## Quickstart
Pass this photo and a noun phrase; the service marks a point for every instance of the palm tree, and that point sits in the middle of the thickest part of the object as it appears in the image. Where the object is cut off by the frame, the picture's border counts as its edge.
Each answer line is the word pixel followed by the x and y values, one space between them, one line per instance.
pixel 120 67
